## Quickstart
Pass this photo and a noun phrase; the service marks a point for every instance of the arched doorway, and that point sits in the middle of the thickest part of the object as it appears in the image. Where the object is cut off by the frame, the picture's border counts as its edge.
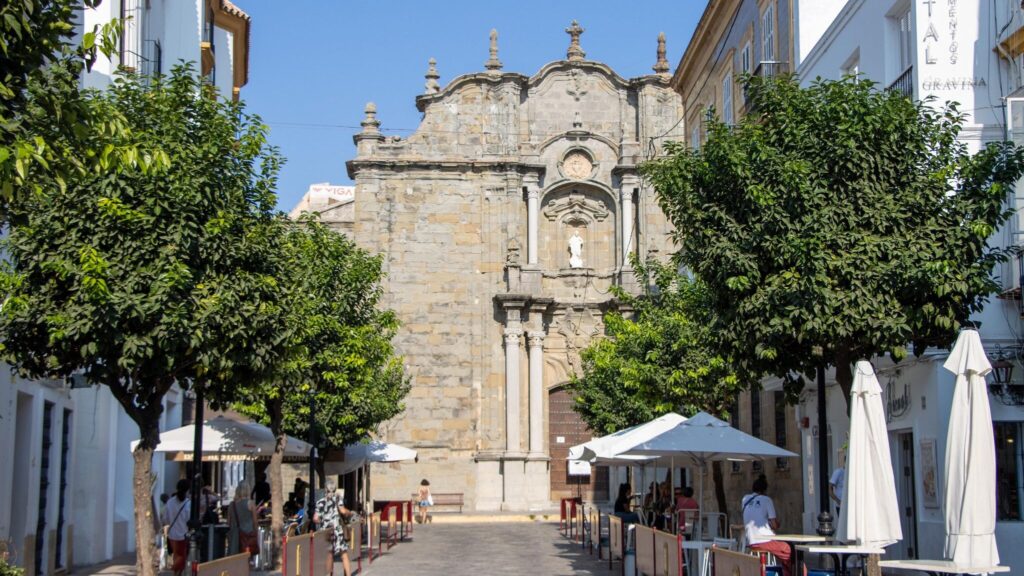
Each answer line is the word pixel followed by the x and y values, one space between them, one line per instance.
pixel 565 429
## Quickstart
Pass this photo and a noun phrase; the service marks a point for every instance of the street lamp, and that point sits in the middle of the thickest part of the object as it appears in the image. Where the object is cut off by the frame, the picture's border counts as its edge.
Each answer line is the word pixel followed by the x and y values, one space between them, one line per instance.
pixel 825 527
pixel 1001 387
pixel 195 535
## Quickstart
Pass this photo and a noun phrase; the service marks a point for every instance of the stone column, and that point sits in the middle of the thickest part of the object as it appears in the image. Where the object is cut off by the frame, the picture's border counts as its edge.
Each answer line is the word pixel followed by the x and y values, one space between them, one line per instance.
pixel 512 433
pixel 536 342
pixel 629 182
pixel 532 221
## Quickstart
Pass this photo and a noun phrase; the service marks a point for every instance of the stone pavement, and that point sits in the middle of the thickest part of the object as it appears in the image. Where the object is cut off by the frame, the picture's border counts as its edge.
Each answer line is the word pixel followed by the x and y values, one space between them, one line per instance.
pixel 463 549
pixel 459 548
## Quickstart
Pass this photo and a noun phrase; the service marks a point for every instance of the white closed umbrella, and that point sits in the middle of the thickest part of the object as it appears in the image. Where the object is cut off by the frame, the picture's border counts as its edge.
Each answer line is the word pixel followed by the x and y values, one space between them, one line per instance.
pixel 970 466
pixel 870 511
pixel 224 438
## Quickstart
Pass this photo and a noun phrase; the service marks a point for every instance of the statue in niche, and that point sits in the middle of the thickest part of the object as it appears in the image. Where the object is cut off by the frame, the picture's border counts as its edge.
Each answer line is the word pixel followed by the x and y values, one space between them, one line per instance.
pixel 576 250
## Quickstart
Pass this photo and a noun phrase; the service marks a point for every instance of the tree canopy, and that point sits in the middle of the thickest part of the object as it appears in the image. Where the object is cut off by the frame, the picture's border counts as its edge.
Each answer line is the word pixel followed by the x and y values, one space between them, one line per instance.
pixel 151 274
pixel 837 222
pixel 663 359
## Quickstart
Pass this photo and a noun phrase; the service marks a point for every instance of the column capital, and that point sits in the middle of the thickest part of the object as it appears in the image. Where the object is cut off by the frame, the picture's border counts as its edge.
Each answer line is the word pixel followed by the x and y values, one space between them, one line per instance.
pixel 535 338
pixel 513 334
pixel 532 192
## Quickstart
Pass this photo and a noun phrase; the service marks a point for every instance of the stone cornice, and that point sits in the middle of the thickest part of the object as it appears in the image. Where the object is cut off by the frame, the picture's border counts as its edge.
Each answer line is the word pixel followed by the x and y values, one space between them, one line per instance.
pixel 705 38
pixel 406 164
pixel 423 100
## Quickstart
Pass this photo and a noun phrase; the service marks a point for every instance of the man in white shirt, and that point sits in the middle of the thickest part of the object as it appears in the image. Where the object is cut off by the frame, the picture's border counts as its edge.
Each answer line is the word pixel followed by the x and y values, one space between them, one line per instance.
pixel 760 522
pixel 837 486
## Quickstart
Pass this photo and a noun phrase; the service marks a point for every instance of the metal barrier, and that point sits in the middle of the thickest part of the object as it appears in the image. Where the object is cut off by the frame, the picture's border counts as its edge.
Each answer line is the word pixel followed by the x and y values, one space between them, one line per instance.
pixel 373 533
pixel 237 565
pixel 355 544
pixel 308 555
pixel 595 530
pixel 658 553
pixel 616 541
pixel 729 563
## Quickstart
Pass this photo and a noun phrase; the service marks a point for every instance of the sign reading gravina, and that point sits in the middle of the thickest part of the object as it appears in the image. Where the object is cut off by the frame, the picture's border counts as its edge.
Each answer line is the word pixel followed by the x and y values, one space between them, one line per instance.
pixel 953 83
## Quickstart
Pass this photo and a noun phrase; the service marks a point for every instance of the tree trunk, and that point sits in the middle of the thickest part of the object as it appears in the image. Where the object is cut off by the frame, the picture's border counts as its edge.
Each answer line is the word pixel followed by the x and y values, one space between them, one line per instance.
pixel 276 487
pixel 873 568
pixel 844 373
pixel 142 491
pixel 716 475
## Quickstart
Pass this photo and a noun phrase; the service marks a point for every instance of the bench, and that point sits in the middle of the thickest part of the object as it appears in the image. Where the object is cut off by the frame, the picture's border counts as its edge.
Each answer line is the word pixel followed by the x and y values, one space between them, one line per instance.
pixel 448 499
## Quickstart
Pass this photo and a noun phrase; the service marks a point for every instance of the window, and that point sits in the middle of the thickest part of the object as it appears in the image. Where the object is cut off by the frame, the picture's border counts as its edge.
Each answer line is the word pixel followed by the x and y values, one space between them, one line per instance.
pixel 905 40
pixel 727 98
pixel 1008 470
pixel 745 58
pixel 852 65
pixel 695 138
pixel 768 34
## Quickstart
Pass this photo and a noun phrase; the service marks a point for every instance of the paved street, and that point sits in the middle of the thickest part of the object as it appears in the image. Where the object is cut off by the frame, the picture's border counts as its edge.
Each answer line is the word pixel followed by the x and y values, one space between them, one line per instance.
pixel 492 548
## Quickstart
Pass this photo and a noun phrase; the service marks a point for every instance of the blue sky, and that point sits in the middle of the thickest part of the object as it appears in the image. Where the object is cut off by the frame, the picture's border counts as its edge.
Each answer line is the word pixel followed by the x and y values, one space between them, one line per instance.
pixel 314 64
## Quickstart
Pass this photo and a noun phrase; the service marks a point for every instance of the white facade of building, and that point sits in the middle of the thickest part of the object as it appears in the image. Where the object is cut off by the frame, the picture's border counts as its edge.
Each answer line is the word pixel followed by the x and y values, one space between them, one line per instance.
pixel 66 488
pixel 946 50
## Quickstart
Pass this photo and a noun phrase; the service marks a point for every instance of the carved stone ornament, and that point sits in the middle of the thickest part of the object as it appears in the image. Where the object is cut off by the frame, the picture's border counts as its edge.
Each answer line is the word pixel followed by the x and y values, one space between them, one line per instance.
pixel 577 206
pixel 577 165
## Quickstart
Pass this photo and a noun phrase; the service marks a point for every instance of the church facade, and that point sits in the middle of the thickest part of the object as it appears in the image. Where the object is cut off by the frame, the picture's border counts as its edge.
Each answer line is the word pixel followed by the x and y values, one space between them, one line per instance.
pixel 504 221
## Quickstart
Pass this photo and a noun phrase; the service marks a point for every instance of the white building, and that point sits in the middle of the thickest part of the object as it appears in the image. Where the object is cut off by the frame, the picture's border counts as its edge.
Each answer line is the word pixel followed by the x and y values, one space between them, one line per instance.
pixel 950 50
pixel 66 486
pixel 334 205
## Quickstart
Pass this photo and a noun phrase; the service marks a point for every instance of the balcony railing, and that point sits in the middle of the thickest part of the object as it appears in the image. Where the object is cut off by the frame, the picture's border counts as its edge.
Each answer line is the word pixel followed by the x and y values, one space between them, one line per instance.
pixel 905 83
pixel 771 69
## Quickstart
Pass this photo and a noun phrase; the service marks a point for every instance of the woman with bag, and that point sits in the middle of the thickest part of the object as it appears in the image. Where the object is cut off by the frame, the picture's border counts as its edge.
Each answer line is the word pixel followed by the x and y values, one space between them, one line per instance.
pixel 175 520
pixel 242 530
pixel 424 500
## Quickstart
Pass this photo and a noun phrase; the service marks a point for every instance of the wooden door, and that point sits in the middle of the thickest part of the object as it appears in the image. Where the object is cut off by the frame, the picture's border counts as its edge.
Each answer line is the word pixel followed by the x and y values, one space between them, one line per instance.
pixel 565 429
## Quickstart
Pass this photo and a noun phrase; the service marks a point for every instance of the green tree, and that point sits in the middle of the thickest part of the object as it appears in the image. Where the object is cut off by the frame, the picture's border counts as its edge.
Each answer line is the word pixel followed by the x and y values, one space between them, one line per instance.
pixel 143 278
pixel 46 121
pixel 663 359
pixel 837 222
pixel 338 350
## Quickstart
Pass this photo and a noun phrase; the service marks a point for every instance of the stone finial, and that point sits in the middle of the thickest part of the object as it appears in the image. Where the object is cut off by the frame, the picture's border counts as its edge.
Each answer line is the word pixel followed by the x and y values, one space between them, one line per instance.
pixel 370 123
pixel 575 52
pixel 432 86
pixel 493 64
pixel 661 66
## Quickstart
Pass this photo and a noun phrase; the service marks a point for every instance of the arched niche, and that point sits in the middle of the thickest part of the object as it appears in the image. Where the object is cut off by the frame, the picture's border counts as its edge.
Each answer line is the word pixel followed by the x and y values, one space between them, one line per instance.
pixel 583 209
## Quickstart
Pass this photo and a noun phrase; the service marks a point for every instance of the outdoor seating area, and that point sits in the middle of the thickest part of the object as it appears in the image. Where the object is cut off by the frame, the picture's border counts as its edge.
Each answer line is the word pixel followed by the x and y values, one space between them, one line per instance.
pixel 699 542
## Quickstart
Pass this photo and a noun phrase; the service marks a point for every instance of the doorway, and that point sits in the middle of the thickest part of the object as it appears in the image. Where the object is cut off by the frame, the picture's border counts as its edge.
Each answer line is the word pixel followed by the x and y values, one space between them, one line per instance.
pixel 565 429
pixel 902 443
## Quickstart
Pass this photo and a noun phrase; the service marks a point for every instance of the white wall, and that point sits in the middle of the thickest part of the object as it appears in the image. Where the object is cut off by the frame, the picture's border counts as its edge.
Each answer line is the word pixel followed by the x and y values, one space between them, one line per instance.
pixel 223 51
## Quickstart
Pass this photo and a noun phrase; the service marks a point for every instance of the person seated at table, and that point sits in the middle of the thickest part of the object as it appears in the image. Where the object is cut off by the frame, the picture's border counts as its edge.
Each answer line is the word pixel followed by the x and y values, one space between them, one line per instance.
pixel 760 523
pixel 663 507
pixel 685 500
pixel 623 508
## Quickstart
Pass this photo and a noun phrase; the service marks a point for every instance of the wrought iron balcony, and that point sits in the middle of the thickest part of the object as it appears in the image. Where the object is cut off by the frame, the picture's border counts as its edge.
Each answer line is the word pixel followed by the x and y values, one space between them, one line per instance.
pixel 905 83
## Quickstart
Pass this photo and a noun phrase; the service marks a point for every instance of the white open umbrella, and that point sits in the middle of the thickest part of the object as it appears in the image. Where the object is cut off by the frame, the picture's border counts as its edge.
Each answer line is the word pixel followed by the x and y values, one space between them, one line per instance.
pixel 607 449
pixel 970 467
pixel 361 453
pixel 870 511
pixel 704 438
pixel 224 438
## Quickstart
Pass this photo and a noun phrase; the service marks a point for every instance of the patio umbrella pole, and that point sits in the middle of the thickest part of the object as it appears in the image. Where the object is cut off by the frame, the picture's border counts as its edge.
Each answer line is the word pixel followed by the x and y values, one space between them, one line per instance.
pixel 825 527
pixel 311 510
pixel 195 536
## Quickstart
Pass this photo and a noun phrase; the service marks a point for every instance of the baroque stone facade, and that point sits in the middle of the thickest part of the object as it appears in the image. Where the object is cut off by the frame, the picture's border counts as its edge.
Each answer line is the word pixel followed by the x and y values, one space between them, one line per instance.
pixel 504 221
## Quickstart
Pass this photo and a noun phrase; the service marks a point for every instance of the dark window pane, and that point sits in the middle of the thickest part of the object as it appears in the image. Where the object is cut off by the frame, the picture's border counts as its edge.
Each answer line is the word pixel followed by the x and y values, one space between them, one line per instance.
pixel 1007 448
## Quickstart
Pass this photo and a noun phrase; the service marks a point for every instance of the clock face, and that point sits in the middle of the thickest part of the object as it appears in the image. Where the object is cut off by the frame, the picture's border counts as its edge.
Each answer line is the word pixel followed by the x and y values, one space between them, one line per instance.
pixel 577 166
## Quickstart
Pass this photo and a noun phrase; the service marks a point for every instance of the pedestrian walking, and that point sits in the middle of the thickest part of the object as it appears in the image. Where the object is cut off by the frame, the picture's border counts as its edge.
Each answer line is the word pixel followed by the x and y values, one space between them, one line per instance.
pixel 175 521
pixel 424 499
pixel 242 525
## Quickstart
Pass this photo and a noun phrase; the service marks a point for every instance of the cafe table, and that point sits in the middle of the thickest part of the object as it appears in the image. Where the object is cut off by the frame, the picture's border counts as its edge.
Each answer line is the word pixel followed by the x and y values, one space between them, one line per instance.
pixel 793 540
pixel 936 567
pixel 840 554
